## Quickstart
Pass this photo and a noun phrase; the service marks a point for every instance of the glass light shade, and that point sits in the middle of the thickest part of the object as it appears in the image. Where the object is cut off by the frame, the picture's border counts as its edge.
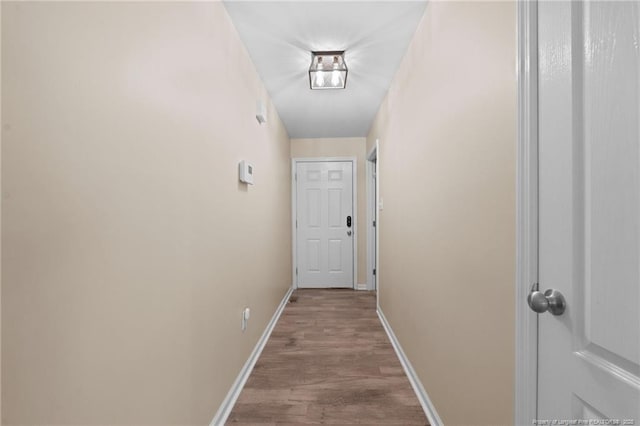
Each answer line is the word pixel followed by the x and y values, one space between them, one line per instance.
pixel 328 70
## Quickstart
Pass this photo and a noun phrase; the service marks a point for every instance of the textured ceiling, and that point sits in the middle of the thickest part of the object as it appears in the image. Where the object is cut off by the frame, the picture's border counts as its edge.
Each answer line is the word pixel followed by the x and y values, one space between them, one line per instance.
pixel 279 36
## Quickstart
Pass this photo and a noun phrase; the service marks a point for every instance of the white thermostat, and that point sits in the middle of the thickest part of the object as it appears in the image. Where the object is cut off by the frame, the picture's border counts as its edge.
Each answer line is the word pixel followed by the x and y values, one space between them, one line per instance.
pixel 246 172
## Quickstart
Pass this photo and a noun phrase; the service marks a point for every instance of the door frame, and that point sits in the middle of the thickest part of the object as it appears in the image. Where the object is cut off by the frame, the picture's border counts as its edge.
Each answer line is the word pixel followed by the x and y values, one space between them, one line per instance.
pixel 294 211
pixel 372 205
pixel 526 362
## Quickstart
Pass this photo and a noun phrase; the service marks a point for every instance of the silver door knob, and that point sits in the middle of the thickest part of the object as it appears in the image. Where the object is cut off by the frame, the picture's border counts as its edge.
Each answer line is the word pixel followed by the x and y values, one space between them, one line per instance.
pixel 551 300
pixel 349 232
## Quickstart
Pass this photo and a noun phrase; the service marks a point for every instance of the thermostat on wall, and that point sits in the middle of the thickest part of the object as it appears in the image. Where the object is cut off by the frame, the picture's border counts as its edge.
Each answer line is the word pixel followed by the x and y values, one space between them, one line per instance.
pixel 246 172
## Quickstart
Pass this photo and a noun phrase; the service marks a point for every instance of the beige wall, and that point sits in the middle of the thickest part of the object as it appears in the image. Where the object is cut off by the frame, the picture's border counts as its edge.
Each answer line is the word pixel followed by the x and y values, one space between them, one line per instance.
pixel 447 134
pixel 343 147
pixel 129 247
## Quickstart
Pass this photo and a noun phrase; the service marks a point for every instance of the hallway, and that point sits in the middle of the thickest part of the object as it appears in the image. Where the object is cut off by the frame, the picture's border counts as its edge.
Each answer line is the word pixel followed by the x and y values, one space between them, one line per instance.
pixel 328 361
pixel 150 226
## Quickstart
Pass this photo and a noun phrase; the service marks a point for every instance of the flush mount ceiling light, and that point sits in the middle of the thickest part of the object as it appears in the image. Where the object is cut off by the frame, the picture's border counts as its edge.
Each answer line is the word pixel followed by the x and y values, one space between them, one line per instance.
pixel 328 70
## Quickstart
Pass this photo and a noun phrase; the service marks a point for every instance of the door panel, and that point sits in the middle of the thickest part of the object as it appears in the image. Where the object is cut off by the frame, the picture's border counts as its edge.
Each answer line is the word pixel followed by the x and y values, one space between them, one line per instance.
pixel 324 196
pixel 336 217
pixel 589 201
pixel 313 255
pixel 335 256
pixel 312 207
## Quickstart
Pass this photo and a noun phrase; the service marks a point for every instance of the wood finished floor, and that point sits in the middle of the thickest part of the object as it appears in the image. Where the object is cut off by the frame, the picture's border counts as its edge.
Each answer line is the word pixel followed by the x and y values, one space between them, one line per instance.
pixel 328 361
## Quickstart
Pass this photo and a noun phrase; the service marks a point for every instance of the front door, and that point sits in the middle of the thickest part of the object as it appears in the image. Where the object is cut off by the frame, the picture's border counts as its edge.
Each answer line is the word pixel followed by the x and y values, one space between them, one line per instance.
pixel 325 224
pixel 589 217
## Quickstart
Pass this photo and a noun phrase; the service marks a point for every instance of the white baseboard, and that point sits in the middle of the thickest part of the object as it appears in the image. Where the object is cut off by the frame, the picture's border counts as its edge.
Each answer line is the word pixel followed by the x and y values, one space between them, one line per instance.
pixel 364 286
pixel 230 400
pixel 416 384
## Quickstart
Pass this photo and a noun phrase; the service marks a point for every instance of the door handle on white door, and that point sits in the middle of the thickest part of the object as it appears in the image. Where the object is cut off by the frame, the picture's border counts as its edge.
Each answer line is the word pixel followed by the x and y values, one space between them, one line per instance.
pixel 349 232
pixel 551 300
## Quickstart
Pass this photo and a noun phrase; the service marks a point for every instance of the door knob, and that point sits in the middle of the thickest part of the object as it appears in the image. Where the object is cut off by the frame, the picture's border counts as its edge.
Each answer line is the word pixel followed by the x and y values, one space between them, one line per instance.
pixel 349 232
pixel 551 300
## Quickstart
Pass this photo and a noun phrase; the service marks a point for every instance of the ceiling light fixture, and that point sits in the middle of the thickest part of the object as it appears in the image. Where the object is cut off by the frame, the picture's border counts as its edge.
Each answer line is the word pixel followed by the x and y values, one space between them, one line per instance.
pixel 328 70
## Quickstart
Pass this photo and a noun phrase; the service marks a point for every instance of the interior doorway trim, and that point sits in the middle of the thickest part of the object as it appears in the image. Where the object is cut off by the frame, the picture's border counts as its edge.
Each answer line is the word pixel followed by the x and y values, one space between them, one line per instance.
pixel 294 211
pixel 526 373
pixel 372 205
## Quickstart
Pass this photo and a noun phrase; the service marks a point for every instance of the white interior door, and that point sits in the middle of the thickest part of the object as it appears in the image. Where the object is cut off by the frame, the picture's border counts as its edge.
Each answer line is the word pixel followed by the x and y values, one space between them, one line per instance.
pixel 325 224
pixel 589 201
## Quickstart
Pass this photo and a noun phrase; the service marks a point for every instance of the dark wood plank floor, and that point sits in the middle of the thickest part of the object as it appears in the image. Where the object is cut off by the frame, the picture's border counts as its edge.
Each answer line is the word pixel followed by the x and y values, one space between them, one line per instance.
pixel 328 361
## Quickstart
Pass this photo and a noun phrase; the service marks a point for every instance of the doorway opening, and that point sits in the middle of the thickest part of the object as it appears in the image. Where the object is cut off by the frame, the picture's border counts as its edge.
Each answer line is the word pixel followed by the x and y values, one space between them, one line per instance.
pixel 372 218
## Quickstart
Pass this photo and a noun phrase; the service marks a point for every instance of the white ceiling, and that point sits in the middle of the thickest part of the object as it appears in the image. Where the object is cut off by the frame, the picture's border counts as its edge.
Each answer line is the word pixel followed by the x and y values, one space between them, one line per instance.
pixel 279 36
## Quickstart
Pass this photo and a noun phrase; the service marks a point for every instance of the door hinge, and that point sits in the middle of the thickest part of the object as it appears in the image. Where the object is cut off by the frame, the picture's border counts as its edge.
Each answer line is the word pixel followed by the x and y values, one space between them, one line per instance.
pixel 295 176
pixel 296 271
pixel 374 223
pixel 374 271
pixel 296 223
